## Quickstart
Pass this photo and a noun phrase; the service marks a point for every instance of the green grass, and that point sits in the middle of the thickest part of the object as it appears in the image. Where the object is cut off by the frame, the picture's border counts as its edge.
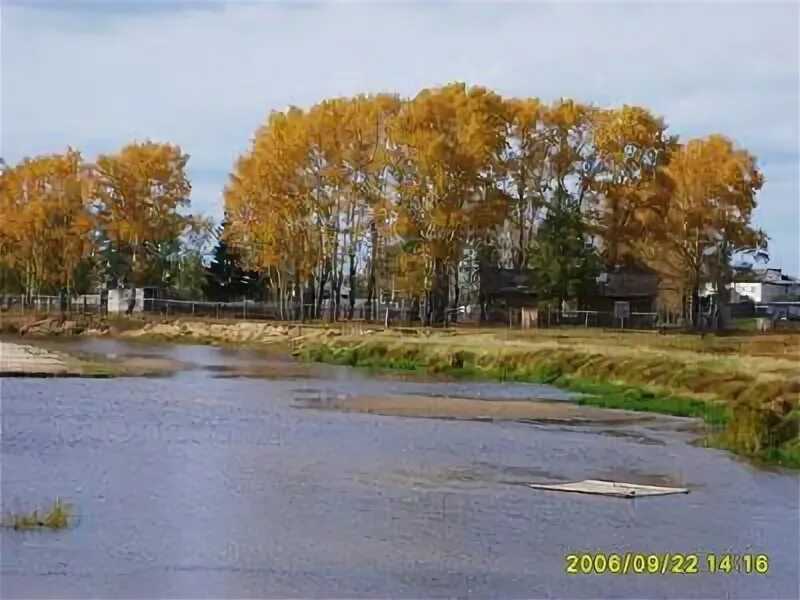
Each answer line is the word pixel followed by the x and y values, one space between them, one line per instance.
pixel 609 395
pixel 595 393
pixel 56 517
pixel 745 323
pixel 742 413
pixel 787 455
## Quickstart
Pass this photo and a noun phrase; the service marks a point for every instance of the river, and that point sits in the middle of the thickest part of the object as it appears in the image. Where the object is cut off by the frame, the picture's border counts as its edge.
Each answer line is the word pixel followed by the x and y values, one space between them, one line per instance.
pixel 199 485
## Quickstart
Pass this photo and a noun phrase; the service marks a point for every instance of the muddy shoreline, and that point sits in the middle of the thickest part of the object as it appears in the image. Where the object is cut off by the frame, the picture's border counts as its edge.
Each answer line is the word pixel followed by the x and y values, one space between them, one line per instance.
pixel 29 360
pixel 532 410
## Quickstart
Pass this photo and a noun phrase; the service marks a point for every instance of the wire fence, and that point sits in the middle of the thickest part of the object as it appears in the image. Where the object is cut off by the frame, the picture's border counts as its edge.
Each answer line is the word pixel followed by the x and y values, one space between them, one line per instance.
pixel 398 313
pixel 402 313
pixel 51 305
pixel 388 314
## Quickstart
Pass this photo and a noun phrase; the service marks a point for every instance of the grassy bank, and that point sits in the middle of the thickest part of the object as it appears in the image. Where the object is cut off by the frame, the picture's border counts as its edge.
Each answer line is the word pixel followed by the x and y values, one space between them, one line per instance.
pixel 750 412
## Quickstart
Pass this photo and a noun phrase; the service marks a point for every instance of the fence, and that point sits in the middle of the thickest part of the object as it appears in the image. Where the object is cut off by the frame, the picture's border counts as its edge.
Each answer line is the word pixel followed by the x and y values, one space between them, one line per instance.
pixel 397 314
pixel 403 314
pixel 391 314
pixel 594 318
pixel 47 305
pixel 387 314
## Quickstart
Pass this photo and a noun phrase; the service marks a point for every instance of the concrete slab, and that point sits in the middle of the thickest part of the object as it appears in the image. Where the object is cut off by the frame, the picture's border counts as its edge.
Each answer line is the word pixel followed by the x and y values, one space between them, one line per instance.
pixel 609 488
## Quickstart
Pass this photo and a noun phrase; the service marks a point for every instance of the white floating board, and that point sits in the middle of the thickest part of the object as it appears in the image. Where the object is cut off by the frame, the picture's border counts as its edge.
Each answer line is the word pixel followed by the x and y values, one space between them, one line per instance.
pixel 609 488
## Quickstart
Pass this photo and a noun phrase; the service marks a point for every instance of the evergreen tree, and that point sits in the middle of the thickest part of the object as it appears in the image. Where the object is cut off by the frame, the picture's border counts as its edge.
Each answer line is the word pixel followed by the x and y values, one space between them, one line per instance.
pixel 225 278
pixel 564 262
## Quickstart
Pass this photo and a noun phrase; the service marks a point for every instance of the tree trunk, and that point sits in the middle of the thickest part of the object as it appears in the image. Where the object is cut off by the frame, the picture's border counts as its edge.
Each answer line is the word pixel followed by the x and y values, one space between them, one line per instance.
pixel 297 308
pixel 280 294
pixel 456 296
pixel 438 295
pixel 310 309
pixel 519 260
pixel 695 301
pixel 371 279
pixel 368 306
pixel 335 300
pixel 352 284
pixel 323 280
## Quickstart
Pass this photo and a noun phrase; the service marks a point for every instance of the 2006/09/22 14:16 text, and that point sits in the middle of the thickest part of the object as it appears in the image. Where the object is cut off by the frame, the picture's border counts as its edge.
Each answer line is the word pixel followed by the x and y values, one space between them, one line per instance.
pixel 665 563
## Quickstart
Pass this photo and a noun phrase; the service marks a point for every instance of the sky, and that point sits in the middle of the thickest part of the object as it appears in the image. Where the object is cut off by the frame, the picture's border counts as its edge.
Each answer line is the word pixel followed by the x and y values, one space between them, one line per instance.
pixel 205 74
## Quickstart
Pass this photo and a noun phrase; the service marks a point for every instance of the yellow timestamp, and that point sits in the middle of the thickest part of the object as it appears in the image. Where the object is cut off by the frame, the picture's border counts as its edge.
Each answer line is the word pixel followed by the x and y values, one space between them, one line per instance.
pixel 666 563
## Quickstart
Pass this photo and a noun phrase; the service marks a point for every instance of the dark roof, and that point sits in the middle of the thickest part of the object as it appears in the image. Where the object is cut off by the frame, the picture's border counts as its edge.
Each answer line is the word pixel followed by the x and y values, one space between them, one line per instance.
pixel 747 274
pixel 499 281
pixel 629 282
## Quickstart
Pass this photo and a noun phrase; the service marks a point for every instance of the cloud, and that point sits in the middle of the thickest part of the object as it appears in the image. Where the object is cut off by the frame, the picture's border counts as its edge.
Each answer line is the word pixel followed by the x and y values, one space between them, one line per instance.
pixel 205 75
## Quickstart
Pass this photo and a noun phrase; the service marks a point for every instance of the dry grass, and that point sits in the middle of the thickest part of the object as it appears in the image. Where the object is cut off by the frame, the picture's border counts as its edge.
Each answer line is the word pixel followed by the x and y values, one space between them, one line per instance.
pixel 703 375
pixel 56 517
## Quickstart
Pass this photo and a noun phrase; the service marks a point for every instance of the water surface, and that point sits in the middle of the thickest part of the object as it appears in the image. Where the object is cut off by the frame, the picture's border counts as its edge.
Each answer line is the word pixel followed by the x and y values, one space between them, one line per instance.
pixel 197 486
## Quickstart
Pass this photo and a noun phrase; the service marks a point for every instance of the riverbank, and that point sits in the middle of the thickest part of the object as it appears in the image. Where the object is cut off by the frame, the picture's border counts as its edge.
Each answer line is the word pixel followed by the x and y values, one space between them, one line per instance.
pixel 746 388
pixel 143 328
pixel 750 402
pixel 26 360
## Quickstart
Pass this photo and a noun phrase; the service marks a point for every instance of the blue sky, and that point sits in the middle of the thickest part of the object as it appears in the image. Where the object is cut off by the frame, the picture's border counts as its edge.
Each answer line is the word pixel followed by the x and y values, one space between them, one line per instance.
pixel 96 75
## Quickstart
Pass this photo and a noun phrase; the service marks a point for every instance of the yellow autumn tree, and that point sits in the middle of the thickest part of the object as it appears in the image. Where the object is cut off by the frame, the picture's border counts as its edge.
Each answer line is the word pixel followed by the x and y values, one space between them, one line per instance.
pixel 379 192
pixel 522 173
pixel 141 190
pixel 270 206
pixel 446 142
pixel 308 194
pixel 630 144
pixel 708 217
pixel 543 173
pixel 46 221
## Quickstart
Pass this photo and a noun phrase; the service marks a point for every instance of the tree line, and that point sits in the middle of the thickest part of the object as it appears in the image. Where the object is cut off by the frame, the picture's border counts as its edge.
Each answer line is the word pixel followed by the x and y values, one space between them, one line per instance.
pixel 354 196
pixel 68 225
pixel 417 194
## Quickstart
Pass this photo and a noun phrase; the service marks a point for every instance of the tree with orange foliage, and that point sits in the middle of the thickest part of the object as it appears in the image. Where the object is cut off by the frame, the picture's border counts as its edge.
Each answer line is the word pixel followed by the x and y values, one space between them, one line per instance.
pixel 708 217
pixel 140 190
pixel 630 145
pixel 272 208
pixel 46 221
pixel 402 192
pixel 446 144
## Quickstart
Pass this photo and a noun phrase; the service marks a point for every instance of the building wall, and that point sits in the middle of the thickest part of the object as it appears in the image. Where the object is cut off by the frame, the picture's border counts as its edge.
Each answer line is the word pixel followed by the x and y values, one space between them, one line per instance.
pixel 118 300
pixel 750 289
pixel 765 292
pixel 770 292
pixel 638 304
